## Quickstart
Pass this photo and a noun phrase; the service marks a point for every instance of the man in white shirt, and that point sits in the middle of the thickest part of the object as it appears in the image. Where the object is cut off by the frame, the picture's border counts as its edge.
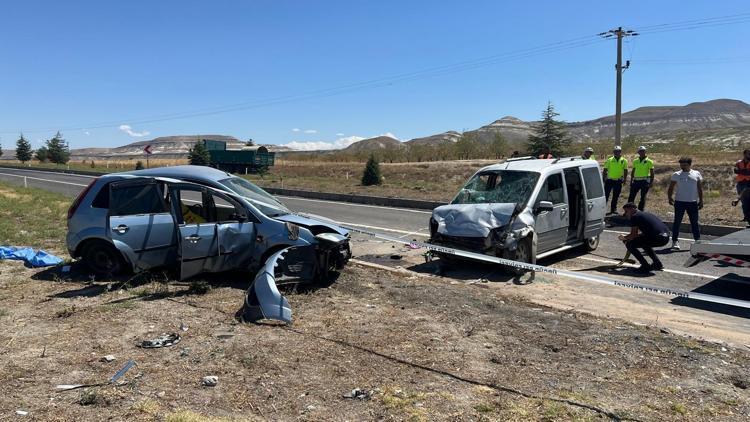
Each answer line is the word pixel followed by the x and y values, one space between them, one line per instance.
pixel 689 198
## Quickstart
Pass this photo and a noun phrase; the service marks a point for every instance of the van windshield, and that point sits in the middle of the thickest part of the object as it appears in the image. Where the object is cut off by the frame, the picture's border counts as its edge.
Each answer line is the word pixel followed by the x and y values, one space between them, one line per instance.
pixel 498 186
pixel 262 200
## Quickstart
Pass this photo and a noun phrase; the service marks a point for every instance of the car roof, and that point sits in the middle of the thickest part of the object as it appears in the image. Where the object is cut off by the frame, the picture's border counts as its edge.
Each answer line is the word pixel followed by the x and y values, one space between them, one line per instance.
pixel 539 165
pixel 202 173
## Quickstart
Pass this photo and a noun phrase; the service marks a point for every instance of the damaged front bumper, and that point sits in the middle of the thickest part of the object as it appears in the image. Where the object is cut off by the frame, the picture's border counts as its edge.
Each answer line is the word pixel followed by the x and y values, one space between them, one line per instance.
pixel 297 264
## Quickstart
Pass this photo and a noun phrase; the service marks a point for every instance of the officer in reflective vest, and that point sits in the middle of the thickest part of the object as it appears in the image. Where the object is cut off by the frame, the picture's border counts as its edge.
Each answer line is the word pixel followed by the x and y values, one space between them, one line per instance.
pixel 615 173
pixel 587 153
pixel 742 172
pixel 642 177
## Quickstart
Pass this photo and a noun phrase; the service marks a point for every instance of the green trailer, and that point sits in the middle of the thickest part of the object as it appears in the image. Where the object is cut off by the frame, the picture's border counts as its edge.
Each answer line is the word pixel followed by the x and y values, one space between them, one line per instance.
pixel 249 159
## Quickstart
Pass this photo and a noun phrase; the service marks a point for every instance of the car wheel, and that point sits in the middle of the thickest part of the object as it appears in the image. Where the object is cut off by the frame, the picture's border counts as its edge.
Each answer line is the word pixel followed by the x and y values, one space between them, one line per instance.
pixel 102 258
pixel 521 254
pixel 591 243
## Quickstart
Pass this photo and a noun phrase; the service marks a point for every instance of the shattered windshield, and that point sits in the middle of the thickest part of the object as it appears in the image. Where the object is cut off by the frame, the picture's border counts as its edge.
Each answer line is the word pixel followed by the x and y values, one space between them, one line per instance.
pixel 262 200
pixel 498 186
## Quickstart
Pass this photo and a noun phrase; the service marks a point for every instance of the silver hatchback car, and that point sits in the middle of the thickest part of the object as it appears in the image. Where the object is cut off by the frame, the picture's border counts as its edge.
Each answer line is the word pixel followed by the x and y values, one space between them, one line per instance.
pixel 199 218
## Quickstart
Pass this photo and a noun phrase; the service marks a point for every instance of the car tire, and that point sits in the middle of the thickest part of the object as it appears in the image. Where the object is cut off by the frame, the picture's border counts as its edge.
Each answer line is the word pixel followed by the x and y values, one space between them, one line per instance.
pixel 102 258
pixel 591 243
pixel 522 253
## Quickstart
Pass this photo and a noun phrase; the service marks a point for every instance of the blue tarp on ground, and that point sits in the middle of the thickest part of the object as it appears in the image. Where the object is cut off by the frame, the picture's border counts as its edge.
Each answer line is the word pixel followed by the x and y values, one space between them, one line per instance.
pixel 27 255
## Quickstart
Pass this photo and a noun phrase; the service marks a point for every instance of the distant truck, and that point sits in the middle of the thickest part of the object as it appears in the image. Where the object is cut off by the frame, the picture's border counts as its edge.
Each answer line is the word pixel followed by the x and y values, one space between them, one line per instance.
pixel 249 159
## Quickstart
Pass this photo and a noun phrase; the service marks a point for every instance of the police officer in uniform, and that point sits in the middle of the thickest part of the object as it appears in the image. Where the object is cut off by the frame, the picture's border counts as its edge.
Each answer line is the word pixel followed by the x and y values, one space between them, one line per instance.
pixel 642 177
pixel 587 153
pixel 615 173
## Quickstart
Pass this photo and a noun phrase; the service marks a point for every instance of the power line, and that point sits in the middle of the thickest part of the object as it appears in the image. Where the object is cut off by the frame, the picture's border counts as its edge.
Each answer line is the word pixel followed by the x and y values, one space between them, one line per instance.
pixel 415 75
pixel 323 93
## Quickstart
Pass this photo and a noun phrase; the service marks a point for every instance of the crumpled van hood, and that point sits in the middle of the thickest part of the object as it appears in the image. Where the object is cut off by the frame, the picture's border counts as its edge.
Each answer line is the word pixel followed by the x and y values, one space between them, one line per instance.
pixel 471 220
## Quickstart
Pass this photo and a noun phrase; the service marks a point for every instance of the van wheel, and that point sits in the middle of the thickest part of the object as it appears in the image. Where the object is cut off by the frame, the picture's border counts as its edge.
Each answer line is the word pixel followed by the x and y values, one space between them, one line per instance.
pixel 102 258
pixel 591 243
pixel 521 254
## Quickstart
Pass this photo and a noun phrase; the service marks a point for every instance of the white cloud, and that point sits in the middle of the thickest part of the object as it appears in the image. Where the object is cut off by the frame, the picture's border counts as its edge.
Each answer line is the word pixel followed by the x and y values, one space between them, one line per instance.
pixel 323 145
pixel 311 131
pixel 127 129
pixel 87 133
pixel 339 134
pixel 295 130
pixel 390 135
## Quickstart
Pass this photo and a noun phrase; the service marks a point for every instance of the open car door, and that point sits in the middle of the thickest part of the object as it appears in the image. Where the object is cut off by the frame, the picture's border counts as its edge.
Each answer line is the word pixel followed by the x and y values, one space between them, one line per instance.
pixel 197 234
pixel 139 222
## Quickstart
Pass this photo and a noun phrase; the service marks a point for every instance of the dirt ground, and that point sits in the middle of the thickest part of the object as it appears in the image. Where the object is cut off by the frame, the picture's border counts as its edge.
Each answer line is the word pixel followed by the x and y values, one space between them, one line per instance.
pixel 420 348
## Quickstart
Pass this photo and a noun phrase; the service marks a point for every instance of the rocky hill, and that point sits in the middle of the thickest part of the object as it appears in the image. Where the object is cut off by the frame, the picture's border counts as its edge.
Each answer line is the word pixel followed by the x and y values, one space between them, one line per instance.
pixel 715 114
pixel 450 137
pixel 377 143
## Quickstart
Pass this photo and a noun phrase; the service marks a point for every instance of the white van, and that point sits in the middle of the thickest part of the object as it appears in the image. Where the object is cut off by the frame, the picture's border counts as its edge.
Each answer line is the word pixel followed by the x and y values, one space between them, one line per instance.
pixel 525 209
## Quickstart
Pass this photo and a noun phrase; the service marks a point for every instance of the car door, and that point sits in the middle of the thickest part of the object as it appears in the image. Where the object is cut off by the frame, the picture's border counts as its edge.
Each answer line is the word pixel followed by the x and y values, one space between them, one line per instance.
pixel 197 233
pixel 552 226
pixel 596 203
pixel 140 224
pixel 236 233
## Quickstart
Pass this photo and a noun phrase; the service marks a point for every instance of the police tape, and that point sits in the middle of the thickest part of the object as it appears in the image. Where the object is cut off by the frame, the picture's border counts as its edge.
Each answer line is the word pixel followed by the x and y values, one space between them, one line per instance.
pixel 554 271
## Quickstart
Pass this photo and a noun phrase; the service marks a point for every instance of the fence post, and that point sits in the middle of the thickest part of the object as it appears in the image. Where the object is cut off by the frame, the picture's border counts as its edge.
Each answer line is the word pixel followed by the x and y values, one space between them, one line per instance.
pixel 25 185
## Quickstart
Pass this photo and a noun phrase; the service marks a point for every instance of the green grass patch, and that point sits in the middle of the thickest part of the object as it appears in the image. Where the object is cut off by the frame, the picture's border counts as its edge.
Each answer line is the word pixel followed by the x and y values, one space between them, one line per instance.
pixel 32 217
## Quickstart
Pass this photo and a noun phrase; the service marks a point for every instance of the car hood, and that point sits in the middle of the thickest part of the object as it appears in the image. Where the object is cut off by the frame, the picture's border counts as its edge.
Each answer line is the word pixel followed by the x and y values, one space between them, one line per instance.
pixel 471 220
pixel 308 221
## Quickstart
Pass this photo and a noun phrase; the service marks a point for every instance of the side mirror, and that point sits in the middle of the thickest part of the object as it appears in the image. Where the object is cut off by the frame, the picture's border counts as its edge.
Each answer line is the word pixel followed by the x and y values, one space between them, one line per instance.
pixel 544 206
pixel 239 217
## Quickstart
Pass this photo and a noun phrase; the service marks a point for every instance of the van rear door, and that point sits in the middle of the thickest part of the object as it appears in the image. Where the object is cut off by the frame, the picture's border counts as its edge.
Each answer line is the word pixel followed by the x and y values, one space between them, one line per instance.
pixel 595 202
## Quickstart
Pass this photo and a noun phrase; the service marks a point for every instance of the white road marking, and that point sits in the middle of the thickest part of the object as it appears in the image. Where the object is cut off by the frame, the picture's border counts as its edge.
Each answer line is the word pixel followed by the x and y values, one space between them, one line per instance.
pixel 608 261
pixel 682 239
pixel 43 180
pixel 355 205
pixel 48 172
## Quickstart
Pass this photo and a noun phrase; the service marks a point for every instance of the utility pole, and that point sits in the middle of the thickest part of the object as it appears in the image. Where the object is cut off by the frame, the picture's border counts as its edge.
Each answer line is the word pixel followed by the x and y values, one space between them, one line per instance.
pixel 619 33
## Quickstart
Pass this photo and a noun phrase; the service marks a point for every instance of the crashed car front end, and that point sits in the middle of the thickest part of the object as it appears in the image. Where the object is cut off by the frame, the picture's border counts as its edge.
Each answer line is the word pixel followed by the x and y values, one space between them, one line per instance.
pixel 490 229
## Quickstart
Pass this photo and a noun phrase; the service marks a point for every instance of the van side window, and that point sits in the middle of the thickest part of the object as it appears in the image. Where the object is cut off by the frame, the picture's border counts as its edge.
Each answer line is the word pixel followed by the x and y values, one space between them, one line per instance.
pixel 593 182
pixel 224 210
pixel 552 190
pixel 138 199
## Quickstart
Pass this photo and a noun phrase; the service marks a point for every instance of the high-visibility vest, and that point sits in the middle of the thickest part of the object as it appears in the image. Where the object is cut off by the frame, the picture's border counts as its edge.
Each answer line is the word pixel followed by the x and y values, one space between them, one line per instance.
pixel 615 168
pixel 742 165
pixel 642 168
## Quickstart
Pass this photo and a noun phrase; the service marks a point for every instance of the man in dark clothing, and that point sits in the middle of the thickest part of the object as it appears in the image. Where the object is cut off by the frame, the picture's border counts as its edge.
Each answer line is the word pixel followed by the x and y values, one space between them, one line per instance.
pixel 647 231
pixel 742 178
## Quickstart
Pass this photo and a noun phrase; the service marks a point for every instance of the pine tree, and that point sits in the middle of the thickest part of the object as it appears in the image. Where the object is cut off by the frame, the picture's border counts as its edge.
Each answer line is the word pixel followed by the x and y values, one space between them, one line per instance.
pixel 371 176
pixel 59 153
pixel 549 133
pixel 466 145
pixel 23 150
pixel 198 155
pixel 42 154
pixel 1 150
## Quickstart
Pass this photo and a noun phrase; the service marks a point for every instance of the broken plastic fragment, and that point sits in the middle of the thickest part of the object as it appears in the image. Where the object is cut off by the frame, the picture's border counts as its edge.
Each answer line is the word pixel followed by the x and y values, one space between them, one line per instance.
pixel 164 340
pixel 122 371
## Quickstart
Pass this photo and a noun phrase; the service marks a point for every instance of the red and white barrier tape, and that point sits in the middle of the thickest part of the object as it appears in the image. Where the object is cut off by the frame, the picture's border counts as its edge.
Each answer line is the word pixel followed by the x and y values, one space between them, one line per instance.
pixel 728 260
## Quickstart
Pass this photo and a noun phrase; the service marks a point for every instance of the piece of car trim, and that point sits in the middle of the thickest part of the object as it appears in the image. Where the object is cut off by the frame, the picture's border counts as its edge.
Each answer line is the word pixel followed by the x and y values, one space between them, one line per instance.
pixel 263 302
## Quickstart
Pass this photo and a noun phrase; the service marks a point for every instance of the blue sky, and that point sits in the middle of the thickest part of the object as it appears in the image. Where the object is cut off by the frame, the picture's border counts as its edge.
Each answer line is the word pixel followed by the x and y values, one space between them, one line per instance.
pixel 109 73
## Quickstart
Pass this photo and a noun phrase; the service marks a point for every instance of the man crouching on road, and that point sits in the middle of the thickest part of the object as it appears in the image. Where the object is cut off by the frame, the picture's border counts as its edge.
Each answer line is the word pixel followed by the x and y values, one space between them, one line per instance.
pixel 647 231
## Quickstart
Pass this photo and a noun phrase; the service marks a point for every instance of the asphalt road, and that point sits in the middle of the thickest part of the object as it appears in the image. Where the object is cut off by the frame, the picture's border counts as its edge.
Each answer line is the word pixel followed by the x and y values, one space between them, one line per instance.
pixel 707 277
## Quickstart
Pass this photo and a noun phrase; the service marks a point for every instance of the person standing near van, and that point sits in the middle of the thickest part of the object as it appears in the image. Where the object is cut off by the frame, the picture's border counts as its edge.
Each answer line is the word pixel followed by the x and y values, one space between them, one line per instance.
pixel 642 177
pixel 587 153
pixel 742 172
pixel 615 172
pixel 689 199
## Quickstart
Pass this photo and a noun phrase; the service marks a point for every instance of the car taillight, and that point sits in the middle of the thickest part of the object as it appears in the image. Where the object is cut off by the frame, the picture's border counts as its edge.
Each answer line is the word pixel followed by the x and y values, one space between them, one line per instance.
pixel 79 198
